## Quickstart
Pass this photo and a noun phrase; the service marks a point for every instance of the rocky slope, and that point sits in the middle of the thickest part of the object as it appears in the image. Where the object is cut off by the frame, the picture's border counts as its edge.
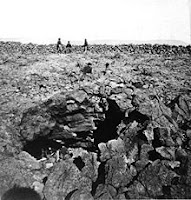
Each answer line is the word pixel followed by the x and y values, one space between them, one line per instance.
pixel 114 123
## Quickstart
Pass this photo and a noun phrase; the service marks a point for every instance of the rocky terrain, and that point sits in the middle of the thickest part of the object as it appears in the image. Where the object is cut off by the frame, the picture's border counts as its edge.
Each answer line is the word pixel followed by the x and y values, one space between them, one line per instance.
pixel 112 123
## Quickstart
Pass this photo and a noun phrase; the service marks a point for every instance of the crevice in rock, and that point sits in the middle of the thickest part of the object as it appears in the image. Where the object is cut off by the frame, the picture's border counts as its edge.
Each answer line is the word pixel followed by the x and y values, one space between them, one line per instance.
pixel 70 194
pixel 135 178
pixel 127 195
pixel 79 163
pixel 107 129
pixel 44 180
pixel 79 142
pixel 42 146
pixel 141 135
pixel 156 142
pixel 175 181
pixel 186 125
pixel 166 191
pixel 100 178
pixel 183 169
pixel 153 155
pixel 137 116
pixel 84 134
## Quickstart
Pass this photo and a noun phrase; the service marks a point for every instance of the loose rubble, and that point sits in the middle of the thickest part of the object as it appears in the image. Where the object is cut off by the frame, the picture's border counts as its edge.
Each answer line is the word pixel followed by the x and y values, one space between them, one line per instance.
pixel 111 123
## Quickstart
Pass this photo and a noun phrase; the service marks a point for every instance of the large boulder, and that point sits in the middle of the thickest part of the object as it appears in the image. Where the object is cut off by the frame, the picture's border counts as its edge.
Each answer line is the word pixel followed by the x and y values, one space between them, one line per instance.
pixel 64 179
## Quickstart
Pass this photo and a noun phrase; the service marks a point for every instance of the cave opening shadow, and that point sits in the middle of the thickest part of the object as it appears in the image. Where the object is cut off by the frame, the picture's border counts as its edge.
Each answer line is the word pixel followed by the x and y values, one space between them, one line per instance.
pixel 100 178
pixel 107 129
pixel 138 117
pixel 41 146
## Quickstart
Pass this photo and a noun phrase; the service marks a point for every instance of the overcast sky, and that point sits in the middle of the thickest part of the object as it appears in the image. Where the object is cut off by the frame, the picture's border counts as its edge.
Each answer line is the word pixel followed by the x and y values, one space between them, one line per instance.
pixel 45 20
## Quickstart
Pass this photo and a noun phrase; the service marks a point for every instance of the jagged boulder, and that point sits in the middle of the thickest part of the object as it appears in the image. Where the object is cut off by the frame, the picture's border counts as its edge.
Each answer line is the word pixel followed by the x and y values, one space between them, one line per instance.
pixel 65 116
pixel 64 179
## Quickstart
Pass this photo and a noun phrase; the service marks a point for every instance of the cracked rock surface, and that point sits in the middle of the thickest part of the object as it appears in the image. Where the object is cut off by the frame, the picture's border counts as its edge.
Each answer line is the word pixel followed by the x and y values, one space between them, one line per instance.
pixel 113 123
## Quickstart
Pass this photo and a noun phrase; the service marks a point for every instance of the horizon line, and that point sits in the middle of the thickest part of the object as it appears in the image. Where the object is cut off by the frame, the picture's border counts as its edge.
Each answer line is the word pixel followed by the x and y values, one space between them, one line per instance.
pixel 99 41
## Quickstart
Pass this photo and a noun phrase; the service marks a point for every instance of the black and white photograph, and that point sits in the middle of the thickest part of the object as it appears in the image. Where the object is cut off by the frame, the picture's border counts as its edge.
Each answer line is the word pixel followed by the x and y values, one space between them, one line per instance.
pixel 95 99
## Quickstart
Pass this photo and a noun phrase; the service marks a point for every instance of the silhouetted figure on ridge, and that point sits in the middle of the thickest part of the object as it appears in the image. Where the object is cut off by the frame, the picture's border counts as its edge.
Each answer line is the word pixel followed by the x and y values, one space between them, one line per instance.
pixel 20 193
pixel 59 46
pixel 85 45
pixel 68 47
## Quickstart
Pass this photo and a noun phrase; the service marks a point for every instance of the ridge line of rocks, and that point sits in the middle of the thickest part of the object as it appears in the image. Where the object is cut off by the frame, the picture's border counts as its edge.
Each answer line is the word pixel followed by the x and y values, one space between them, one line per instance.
pixel 30 48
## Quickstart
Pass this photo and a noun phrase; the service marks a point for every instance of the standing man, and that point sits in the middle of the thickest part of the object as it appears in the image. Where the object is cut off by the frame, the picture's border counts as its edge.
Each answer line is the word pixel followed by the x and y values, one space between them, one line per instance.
pixel 85 45
pixel 59 46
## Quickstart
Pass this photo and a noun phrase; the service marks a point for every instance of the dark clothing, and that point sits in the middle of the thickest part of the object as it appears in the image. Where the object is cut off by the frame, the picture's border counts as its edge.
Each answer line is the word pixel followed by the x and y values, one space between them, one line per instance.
pixel 68 48
pixel 85 43
pixel 68 45
pixel 59 46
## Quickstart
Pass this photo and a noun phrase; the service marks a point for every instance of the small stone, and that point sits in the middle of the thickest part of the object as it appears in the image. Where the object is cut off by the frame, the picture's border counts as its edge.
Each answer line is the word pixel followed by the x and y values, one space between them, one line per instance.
pixel 121 197
pixel 145 86
pixel 140 164
pixel 70 102
pixel 81 195
pixel 105 155
pixel 116 145
pixel 133 125
pixel 188 133
pixel 133 170
pixel 113 84
pixel 179 141
pixel 49 165
pixel 128 91
pixel 38 186
pixel 39 176
pixel 52 160
pixel 172 164
pixel 166 152
pixel 140 188
pixel 149 134
pixel 132 155
pixel 72 107
pixel 79 96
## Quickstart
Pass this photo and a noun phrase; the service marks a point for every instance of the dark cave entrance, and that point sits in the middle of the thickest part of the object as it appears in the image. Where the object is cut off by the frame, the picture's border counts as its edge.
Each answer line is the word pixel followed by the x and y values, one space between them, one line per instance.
pixel 154 155
pixel 42 146
pixel 138 117
pixel 107 129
